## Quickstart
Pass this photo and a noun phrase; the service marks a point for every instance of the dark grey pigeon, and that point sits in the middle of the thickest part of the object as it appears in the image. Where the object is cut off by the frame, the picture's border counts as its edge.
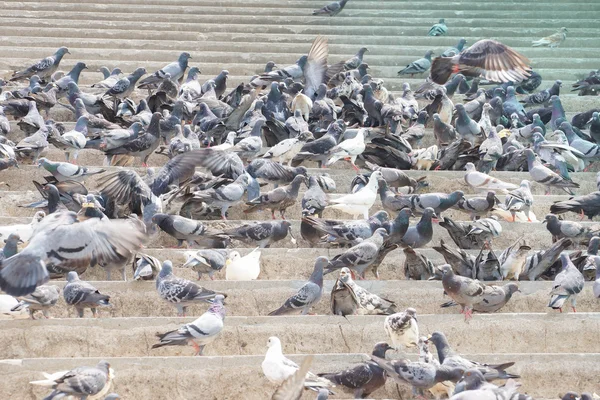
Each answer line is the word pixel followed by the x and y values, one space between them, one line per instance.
pixel 72 76
pixel 355 61
pixel 466 127
pixel 568 229
pixel 308 295
pixel 11 246
pixel 438 29
pixel 540 261
pixel 419 66
pixel 331 9
pixel 463 263
pixel 261 234
pixel 567 284
pixel 420 234
pixel 478 206
pixel 512 106
pixel 180 292
pixel 280 198
pixel 364 378
pixel 314 200
pixel 43 68
pixel 444 133
pixel 182 229
pixel 225 196
pixel 82 295
pixel 544 96
pixel 318 149
pixel 416 265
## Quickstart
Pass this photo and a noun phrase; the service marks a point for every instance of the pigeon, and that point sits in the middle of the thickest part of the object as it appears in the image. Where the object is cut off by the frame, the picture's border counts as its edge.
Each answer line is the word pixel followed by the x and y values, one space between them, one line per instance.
pixel 539 262
pixel 10 248
pixel 419 66
pixel 308 295
pixel 567 229
pixel 349 149
pixel 176 70
pixel 207 261
pixel 65 171
pixel 364 378
pixel 439 202
pixel 277 367
pixel 520 200
pixel 512 260
pixel 416 265
pixel 43 298
pixel 439 29
pixel 124 87
pixel 198 333
pixel 478 206
pixel 486 228
pixel 59 239
pixel 544 96
pixel 493 298
pixel 110 78
pixel 145 267
pixel 243 268
pixel 182 229
pixel 143 145
pixel 331 9
pixel 467 128
pixel 357 60
pixel 285 151
pixel 419 235
pixel 553 40
pixel 545 176
pixel 348 298
pixel 262 234
pixel 179 291
pixel 488 58
pixel 567 284
pixel 314 200
pixel 280 198
pixel 361 201
pixel 480 181
pixel 452 51
pixel 81 382
pixel 43 68
pixel 82 295
pixel 402 328
pixel 360 257
pixel 506 392
pixel 349 232
pixel 465 291
pixel 225 196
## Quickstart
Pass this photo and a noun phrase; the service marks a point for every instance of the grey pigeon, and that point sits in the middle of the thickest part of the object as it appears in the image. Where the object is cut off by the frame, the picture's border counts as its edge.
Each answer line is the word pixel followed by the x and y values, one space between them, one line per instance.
pixel 261 234
pixel 567 284
pixel 452 51
pixel 543 97
pixel 63 171
pixel 519 200
pixel 568 229
pixel 81 382
pixel 348 298
pixel 144 145
pixel 364 378
pixel 225 196
pixel 540 261
pixel 349 232
pixel 586 205
pixel 331 9
pixel 206 261
pixel 419 235
pixel 124 87
pixel 82 295
pixel 43 298
pixel 465 291
pixel 546 176
pixel 478 206
pixel 280 198
pixel 59 239
pixel 360 257
pixel 444 133
pixel 397 178
pixel 402 328
pixel 418 66
pixel 198 333
pixel 491 392
pixel 314 200
pixel 308 295
pixel 461 262
pixel 71 77
pixel 110 78
pixel 355 61
pixel 416 265
pixel 43 68
pixel 438 29
pixel 493 299
pixel 11 246
pixel 466 127
pixel 439 202
pixel 176 69
pixel 145 267
pixel 180 292
pixel 181 228
pixel 512 106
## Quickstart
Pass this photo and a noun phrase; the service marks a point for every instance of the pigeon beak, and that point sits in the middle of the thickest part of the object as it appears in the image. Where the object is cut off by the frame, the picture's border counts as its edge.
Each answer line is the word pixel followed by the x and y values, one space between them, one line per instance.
pixel 544 221
pixel 68 52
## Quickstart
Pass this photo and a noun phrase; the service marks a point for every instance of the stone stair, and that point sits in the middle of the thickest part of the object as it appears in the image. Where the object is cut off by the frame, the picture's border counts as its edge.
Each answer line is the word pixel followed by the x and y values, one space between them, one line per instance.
pixel 554 352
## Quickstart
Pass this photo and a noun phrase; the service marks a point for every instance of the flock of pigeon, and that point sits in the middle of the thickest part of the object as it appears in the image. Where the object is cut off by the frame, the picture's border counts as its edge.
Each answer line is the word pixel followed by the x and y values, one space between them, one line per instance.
pixel 267 131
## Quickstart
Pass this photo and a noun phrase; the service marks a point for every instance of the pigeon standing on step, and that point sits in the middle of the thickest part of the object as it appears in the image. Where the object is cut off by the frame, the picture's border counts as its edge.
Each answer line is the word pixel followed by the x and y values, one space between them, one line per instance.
pixel 553 40
pixel 42 299
pixel 199 333
pixel 261 234
pixel 402 328
pixel 314 200
pixel 419 66
pixel 361 257
pixel 360 202
pixel 568 229
pixel 480 181
pixel 567 284
pixel 519 200
pixel 545 176
pixel 493 298
pixel 82 295
pixel 348 298
pixel 43 68
pixel 179 291
pixel 478 206
pixel 206 261
pixel 280 198
pixel 145 267
pixel 331 9
pixel 175 69
pixel 419 235
pixel 308 295
pixel 465 291
pixel 439 29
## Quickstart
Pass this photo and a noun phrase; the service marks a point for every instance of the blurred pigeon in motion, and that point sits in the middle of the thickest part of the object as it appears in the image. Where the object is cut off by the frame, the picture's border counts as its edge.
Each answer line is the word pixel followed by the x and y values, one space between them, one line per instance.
pixel 293 386
pixel 567 285
pixel 82 295
pixel 81 382
pixel 348 298
pixel 488 58
pixel 43 68
pixel 331 9
pixel 199 333
pixel 42 299
pixel 364 378
pixel 179 291
pixel 59 239
pixel 145 267
pixel 308 295
pixel 402 328
pixel 439 29
pixel 553 40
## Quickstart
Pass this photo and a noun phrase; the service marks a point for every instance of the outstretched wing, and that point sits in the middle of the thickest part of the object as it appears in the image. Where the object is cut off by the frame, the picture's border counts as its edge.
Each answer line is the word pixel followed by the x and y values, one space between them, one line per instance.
pixel 316 66
pixel 495 61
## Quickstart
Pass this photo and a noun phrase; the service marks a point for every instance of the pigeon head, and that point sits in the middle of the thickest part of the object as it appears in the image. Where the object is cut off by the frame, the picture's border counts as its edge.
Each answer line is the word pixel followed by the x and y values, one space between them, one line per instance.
pixel 381 232
pixel 193 72
pixel 429 54
pixel 13 239
pixel 446 269
pixel 473 376
pixel 269 66
pixel 563 30
pixel 442 21
pixel 79 66
pixel 345 275
pixel 72 88
pixel 491 197
pixel 550 218
pixel 380 349
pixel 317 274
pixel 167 269
pixel 139 72
pixel 567 128
pixel 512 288
pixel 530 155
pixel 42 161
pixel 593 245
pixel 381 216
pixel 62 51
pixel 72 276
pixel 184 57
pixel 302 61
pixel 116 71
pixel 104 366
pixel 570 396
pixel 429 213
pixel 217 304
pixel 273 341
pixel 34 80
pixel 362 51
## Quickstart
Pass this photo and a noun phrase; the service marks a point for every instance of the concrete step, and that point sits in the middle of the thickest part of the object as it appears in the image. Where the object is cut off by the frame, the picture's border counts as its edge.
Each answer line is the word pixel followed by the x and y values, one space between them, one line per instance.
pixel 229 377
pixel 259 298
pixel 133 337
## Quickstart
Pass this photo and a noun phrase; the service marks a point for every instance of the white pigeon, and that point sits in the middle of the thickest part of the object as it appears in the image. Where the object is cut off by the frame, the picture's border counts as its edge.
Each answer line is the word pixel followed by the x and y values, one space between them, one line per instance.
pixel 402 328
pixel 484 182
pixel 245 268
pixel 286 150
pixel 360 202
pixel 7 303
pixel 277 367
pixel 227 144
pixel 349 149
pixel 23 230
